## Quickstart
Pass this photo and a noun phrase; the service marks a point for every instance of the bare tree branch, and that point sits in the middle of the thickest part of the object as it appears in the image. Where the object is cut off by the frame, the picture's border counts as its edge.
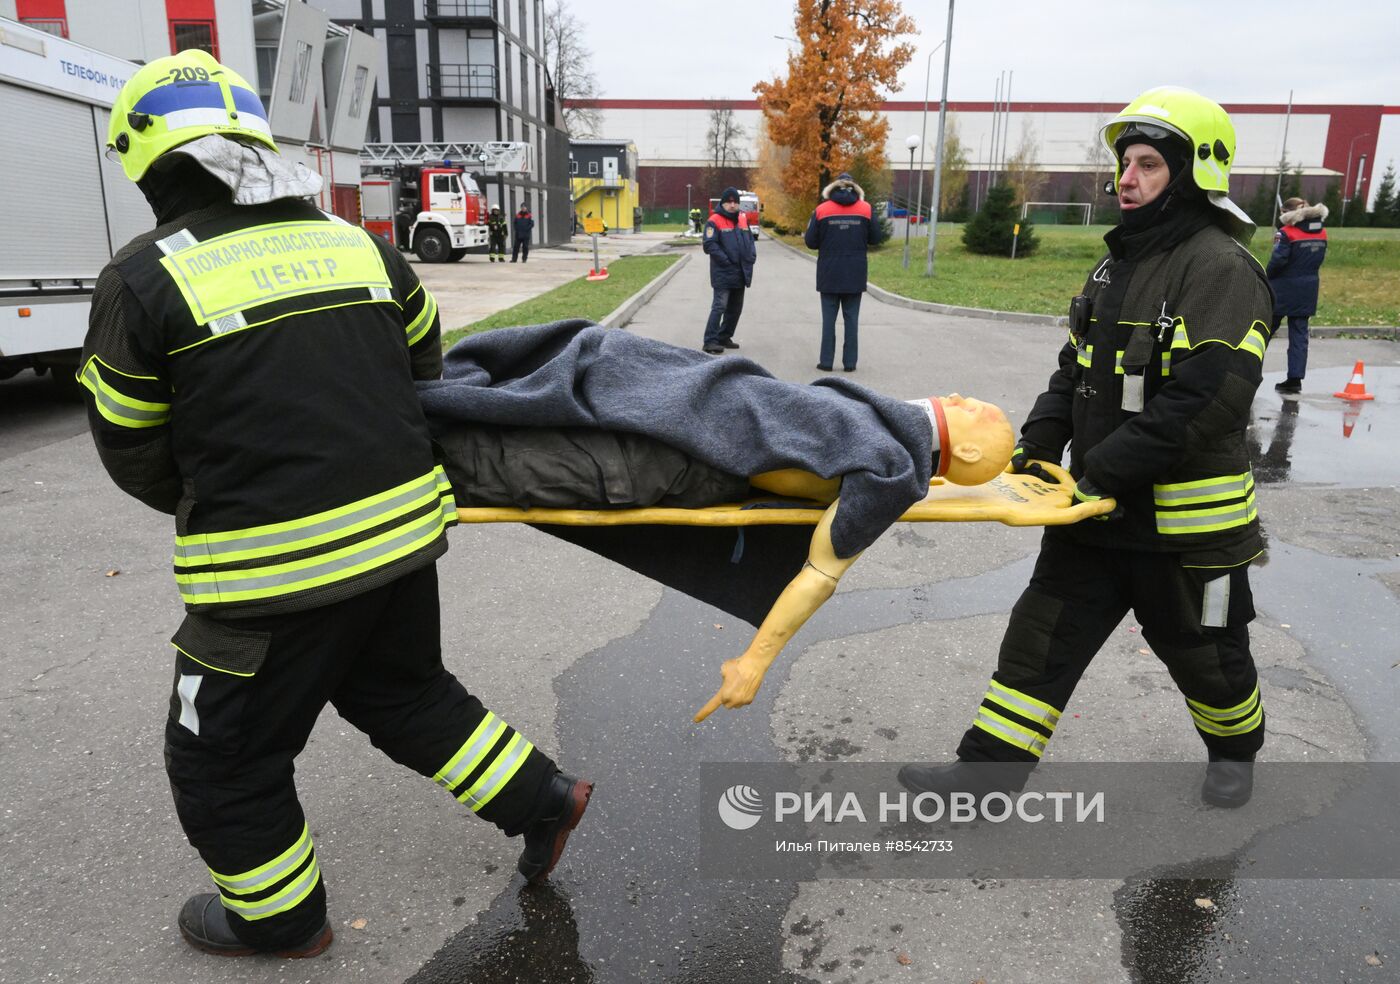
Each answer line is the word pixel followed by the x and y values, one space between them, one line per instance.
pixel 570 67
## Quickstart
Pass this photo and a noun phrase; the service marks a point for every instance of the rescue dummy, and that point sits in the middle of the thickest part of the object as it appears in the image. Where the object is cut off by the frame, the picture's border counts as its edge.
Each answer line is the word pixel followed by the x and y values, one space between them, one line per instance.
pixel 975 441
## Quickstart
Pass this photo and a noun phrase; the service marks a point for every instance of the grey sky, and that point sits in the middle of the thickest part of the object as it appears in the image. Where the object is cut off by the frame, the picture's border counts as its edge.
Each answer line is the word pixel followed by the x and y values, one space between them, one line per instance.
pixel 1066 50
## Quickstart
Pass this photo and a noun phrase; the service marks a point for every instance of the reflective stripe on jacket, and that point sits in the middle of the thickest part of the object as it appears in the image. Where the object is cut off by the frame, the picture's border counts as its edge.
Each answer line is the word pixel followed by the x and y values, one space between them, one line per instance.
pixel 250 370
pixel 1154 399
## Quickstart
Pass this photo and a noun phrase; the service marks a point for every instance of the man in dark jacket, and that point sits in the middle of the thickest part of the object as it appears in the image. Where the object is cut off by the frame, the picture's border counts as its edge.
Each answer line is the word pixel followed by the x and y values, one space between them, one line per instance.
pixel 524 226
pixel 841 230
pixel 1300 246
pixel 1152 394
pixel 729 244
pixel 496 231
pixel 251 367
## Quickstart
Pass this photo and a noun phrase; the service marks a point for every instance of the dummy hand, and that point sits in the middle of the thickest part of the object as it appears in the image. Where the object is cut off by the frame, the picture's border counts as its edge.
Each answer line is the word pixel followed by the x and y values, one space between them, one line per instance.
pixel 1022 463
pixel 742 678
pixel 1087 491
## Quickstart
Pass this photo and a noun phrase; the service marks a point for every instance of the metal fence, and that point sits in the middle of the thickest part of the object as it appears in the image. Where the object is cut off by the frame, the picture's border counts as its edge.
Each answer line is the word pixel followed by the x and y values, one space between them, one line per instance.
pixel 454 81
pixel 459 8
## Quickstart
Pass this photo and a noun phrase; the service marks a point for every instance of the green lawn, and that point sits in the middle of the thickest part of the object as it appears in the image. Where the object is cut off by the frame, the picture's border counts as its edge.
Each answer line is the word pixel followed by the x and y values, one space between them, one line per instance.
pixel 1359 285
pixel 579 298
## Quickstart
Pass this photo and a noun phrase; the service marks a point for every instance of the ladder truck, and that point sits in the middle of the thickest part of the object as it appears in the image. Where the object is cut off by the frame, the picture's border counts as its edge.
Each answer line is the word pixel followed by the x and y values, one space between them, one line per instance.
pixel 421 197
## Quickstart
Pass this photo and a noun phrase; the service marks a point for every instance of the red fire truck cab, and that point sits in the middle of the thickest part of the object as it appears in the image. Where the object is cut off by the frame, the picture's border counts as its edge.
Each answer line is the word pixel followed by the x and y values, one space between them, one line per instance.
pixel 434 211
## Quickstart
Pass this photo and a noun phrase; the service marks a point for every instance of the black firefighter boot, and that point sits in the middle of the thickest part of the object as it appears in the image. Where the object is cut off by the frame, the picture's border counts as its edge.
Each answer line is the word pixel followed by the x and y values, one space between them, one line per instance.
pixel 204 925
pixel 1229 782
pixel 963 776
pixel 564 802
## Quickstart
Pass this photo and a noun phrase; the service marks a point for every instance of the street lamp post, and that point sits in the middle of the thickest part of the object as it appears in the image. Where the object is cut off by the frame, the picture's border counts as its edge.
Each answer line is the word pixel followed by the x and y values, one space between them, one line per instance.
pixel 923 126
pixel 911 142
pixel 938 157
pixel 1347 180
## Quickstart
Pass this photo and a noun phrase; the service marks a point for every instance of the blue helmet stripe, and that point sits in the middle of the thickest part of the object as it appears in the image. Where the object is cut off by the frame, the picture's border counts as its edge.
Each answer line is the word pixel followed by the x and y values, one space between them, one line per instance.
pixel 247 101
pixel 180 95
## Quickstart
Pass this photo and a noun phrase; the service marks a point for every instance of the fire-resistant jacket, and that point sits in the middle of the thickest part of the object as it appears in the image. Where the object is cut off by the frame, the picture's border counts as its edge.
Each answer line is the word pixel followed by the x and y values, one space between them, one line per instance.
pixel 729 244
pixel 841 230
pixel 1300 246
pixel 496 227
pixel 250 370
pixel 1154 394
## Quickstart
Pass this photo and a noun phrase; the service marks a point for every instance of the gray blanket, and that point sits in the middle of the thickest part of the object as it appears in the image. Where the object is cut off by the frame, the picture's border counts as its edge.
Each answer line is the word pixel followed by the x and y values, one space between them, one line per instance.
pixel 727 412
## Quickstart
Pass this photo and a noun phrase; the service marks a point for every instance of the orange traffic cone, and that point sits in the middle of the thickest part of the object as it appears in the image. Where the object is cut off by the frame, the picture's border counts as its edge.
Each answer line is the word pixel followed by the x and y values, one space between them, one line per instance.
pixel 1356 389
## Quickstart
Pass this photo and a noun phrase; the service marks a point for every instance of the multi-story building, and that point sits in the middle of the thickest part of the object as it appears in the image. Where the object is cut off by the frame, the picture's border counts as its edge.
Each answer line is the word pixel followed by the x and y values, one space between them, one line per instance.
pixel 604 181
pixel 470 70
pixel 315 77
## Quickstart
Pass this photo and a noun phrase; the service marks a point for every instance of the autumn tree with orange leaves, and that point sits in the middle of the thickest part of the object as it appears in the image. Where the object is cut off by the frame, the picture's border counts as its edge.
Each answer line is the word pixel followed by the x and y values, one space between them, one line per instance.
pixel 825 113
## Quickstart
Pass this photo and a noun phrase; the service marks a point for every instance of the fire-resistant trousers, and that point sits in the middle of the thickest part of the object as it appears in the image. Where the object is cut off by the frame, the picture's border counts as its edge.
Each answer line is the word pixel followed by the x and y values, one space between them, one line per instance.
pixel 1195 619
pixel 246 695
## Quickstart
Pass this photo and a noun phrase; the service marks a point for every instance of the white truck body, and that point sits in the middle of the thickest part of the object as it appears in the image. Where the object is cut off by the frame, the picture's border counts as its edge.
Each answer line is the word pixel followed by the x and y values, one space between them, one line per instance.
pixel 68 209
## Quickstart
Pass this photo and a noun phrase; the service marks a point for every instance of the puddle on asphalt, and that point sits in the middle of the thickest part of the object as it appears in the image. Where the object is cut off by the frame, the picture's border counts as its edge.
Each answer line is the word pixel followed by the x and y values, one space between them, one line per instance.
pixel 1317 438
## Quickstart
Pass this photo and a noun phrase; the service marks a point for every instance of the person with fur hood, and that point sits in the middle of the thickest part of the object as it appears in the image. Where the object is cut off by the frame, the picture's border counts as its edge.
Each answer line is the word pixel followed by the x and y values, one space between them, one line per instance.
pixel 841 230
pixel 1300 246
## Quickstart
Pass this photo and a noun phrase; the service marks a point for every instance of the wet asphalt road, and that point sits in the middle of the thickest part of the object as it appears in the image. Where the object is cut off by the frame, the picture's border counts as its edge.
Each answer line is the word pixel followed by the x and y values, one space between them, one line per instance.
pixel 888 671
pixel 708 930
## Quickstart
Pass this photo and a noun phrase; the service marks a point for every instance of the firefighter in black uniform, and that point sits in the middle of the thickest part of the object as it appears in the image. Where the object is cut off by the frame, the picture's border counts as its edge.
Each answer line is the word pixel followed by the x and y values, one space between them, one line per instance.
pixel 250 366
pixel 1153 394
pixel 497 229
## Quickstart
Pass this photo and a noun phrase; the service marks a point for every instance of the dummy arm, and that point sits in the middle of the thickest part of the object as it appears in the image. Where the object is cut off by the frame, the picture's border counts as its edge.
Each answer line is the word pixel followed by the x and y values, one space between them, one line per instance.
pixel 805 593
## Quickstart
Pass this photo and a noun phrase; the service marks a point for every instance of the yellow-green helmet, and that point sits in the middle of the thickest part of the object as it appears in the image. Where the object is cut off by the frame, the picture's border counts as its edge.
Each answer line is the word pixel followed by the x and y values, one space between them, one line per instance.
pixel 1200 122
pixel 177 99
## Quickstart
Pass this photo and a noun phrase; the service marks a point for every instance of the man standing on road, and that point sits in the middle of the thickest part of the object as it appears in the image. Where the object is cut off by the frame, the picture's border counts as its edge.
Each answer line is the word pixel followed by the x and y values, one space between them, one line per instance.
pixel 841 230
pixel 1153 394
pixel 496 230
pixel 729 244
pixel 1300 246
pixel 524 227
pixel 250 365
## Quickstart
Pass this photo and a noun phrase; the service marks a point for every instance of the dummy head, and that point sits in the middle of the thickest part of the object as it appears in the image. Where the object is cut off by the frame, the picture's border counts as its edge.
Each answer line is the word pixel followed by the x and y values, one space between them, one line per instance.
pixel 980 439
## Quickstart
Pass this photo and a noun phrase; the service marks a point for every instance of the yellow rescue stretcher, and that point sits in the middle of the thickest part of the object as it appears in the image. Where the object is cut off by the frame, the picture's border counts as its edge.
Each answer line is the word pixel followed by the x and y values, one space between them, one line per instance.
pixel 1015 500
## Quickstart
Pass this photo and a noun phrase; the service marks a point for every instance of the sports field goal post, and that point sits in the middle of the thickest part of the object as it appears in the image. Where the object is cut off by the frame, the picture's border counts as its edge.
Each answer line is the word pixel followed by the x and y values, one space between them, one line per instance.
pixel 1046 206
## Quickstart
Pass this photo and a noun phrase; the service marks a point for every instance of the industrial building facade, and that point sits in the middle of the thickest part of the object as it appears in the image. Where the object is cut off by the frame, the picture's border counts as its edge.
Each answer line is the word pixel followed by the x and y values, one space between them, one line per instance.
pixel 1328 143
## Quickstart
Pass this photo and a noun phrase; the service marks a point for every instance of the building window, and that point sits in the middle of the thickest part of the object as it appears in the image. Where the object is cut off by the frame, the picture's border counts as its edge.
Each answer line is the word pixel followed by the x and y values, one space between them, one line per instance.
pixel 592 167
pixel 266 55
pixel 573 167
pixel 57 26
pixel 357 91
pixel 301 71
pixel 188 34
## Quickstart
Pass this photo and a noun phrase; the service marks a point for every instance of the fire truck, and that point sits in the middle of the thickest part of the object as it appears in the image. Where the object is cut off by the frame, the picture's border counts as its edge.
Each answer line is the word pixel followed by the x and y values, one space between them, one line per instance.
pixel 422 199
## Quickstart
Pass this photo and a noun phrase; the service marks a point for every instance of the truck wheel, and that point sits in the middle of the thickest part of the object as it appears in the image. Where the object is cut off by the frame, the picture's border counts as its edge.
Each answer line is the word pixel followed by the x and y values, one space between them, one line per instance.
pixel 68 387
pixel 433 246
pixel 456 255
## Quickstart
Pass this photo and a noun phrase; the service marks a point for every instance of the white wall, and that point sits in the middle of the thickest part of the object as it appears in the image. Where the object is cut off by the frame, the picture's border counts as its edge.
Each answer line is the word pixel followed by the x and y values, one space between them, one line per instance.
pixel 1065 139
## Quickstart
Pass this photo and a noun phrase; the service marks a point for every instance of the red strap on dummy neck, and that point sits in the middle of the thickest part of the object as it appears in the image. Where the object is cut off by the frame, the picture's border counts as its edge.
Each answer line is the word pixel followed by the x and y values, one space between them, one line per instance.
pixel 945 456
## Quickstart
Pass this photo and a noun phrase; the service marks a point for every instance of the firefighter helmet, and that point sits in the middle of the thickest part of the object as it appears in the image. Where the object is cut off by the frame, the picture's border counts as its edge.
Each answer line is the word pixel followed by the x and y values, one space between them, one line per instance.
pixel 177 99
pixel 1170 111
pixel 1205 128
